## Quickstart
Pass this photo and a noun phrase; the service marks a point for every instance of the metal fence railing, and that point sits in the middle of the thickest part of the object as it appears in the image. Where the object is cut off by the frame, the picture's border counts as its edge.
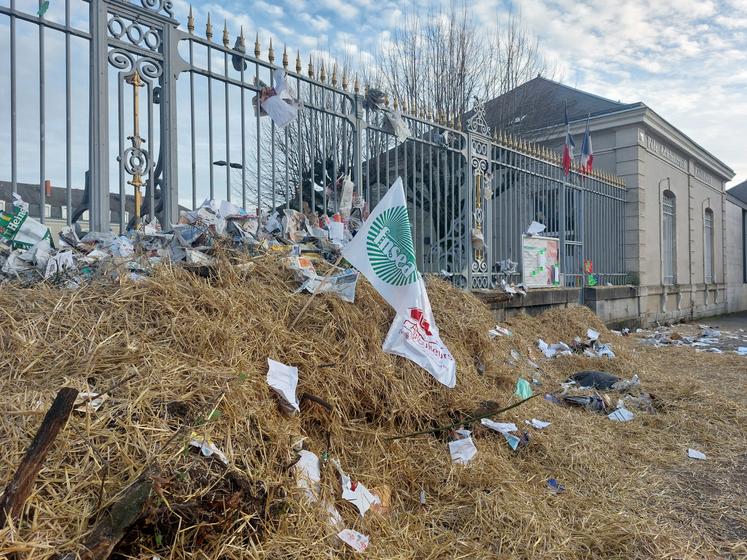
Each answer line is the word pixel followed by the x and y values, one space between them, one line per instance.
pixel 150 119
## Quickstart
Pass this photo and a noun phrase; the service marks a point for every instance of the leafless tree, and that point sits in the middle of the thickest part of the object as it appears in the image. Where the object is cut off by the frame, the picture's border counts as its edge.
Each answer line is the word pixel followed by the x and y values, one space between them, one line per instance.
pixel 443 59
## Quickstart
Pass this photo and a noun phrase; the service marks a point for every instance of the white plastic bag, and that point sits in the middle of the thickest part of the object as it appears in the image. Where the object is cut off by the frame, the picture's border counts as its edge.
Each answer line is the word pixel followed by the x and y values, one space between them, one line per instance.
pixel 281 107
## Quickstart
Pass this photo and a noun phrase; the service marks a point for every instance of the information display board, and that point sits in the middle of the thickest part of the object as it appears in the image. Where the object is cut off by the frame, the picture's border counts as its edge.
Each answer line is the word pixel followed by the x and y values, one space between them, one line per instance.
pixel 540 261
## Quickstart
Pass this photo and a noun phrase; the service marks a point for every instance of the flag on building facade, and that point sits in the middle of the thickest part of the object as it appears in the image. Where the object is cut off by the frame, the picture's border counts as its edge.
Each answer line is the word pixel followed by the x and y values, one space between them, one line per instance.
pixel 587 153
pixel 569 145
pixel 383 251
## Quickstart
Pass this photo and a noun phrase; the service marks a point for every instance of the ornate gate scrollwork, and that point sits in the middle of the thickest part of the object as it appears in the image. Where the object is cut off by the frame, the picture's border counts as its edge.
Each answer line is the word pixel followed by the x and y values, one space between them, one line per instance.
pixel 479 155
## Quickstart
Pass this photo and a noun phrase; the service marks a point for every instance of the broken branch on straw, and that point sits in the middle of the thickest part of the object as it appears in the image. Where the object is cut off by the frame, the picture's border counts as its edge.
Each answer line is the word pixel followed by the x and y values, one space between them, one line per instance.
pixel 467 420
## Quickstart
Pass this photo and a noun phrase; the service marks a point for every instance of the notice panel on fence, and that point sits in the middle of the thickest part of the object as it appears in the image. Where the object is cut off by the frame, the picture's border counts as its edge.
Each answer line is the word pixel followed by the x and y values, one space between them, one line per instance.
pixel 540 262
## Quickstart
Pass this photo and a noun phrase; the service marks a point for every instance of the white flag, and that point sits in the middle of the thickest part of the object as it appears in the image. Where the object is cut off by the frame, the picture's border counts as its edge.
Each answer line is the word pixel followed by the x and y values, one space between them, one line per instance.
pixel 384 252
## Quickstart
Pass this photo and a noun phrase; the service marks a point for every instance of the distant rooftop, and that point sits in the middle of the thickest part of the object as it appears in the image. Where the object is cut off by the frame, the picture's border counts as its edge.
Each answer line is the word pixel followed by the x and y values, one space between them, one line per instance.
pixel 540 103
pixel 739 191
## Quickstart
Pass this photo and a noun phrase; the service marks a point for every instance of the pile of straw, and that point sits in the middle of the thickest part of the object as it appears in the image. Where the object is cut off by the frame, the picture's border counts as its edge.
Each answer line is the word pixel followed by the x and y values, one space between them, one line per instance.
pixel 198 347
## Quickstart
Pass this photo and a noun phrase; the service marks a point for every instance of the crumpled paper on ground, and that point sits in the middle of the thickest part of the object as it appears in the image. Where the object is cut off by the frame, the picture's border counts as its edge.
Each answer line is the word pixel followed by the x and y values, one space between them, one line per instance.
pixel 355 492
pixel 283 380
pixel 207 447
pixel 462 450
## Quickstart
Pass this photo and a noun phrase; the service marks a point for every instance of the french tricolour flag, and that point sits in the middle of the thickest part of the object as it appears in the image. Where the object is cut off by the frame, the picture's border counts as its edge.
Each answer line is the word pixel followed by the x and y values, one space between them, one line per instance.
pixel 569 145
pixel 587 153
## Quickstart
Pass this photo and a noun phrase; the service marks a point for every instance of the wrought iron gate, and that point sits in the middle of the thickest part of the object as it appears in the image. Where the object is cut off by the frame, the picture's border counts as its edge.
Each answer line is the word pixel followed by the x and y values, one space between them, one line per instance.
pixel 175 117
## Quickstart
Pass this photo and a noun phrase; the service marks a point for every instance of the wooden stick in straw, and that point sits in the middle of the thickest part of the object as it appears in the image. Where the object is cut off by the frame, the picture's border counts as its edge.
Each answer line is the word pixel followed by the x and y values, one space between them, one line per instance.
pixel 467 420
pixel 313 294
pixel 20 486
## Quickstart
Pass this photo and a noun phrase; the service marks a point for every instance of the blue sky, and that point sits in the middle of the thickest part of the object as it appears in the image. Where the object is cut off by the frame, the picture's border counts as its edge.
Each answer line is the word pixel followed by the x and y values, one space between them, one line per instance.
pixel 687 59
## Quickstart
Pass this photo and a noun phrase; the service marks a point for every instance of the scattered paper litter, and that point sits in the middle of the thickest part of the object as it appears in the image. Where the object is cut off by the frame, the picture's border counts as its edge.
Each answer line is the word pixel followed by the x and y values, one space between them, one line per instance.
pixel 622 414
pixel 695 454
pixel 462 450
pixel 96 400
pixel 552 350
pixel 604 350
pixel 342 285
pixel 499 331
pixel 355 492
pixel 742 350
pixel 356 540
pixel 501 427
pixel 538 424
pixel 207 447
pixel 535 228
pixel 283 379
pixel 308 474
pixel 513 441
pixel 591 334
pixel 523 388
pixel 555 486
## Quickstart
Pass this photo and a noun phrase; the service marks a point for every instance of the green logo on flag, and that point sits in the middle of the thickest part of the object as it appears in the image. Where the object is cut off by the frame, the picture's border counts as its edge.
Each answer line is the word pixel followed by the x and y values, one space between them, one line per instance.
pixel 390 249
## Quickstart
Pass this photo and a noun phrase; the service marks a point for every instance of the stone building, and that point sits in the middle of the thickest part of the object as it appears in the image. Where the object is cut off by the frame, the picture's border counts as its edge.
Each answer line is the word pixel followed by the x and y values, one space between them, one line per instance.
pixel 680 237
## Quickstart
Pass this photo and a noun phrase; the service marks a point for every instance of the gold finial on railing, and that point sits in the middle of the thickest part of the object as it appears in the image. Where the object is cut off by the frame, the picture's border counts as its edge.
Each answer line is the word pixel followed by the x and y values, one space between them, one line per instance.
pixel 365 90
pixel 386 100
pixel 345 82
pixel 285 57
pixel 257 50
pixel 441 118
pixel 298 62
pixel 271 53
pixel 311 68
pixel 226 38
pixel 357 85
pixel 395 104
pixel 209 29
pixel 322 73
pixel 190 21
pixel 333 81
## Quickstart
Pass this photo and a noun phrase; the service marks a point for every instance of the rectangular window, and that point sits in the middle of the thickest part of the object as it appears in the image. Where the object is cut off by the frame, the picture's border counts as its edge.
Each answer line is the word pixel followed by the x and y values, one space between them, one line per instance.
pixel 64 212
pixel 668 239
pixel 708 246
pixel 2 205
pixel 744 245
pixel 47 210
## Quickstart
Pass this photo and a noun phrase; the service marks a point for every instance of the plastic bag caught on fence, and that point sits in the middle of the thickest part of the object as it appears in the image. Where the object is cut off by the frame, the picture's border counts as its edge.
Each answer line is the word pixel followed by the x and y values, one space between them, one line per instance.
pixel 278 103
pixel 396 125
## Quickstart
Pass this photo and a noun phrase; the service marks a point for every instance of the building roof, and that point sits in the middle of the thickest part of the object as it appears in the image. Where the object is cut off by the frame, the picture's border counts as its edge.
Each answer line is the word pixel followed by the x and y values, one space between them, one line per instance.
pixel 536 109
pixel 540 103
pixel 739 191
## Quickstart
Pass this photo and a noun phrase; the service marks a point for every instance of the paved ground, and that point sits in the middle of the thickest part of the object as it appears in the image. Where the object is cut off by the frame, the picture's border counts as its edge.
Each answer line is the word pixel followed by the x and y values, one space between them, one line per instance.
pixel 730 322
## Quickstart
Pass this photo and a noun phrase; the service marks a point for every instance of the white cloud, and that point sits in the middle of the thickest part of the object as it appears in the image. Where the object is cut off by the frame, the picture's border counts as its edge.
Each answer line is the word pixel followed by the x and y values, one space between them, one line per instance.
pixel 343 8
pixel 683 59
pixel 317 23
pixel 272 10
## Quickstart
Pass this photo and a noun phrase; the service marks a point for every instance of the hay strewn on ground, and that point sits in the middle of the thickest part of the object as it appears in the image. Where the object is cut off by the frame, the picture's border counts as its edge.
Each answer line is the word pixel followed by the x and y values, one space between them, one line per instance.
pixel 196 345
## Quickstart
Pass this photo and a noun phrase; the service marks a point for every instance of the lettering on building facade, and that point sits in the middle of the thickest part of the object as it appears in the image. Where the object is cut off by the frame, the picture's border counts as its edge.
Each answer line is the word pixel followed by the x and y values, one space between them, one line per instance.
pixel 706 177
pixel 662 150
